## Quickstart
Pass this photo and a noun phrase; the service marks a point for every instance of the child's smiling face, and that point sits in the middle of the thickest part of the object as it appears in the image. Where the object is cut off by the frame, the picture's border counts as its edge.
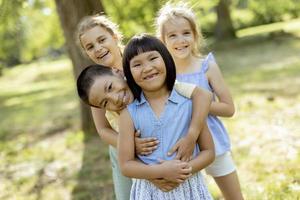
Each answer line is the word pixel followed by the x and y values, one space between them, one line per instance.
pixel 148 70
pixel 179 37
pixel 101 46
pixel 110 92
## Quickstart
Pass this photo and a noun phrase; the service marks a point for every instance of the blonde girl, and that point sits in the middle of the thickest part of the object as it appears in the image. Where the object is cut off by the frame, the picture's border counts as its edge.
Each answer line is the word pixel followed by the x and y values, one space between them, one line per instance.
pixel 176 27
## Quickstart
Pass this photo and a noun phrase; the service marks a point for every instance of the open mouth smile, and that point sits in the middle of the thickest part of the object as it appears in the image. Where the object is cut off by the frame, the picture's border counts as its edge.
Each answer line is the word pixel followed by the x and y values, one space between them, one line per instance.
pixel 103 55
pixel 151 76
pixel 181 48
pixel 123 100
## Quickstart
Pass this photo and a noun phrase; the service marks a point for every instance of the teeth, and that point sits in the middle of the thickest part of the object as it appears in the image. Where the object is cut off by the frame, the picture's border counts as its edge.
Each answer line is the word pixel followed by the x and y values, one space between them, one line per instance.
pixel 102 56
pixel 181 48
pixel 150 76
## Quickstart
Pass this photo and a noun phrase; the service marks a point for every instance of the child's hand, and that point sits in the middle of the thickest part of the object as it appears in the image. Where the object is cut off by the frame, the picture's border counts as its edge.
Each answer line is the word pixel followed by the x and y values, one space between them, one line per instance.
pixel 184 147
pixel 144 146
pixel 164 185
pixel 175 170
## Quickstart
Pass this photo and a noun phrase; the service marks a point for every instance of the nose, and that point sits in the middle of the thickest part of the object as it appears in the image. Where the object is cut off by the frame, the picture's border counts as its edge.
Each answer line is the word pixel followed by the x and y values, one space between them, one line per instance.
pixel 181 39
pixel 98 47
pixel 147 67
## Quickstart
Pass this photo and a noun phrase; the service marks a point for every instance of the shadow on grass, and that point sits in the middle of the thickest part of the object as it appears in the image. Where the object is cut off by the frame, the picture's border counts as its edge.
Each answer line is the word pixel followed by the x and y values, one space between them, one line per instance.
pixel 37 112
pixel 94 180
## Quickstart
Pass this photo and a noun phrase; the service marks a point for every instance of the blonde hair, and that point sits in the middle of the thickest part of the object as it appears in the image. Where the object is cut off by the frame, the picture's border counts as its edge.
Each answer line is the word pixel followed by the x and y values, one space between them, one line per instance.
pixel 103 21
pixel 170 11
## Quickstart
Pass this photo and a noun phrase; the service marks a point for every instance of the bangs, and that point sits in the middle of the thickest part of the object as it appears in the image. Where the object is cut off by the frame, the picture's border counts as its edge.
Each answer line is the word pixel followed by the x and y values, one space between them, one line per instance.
pixel 140 45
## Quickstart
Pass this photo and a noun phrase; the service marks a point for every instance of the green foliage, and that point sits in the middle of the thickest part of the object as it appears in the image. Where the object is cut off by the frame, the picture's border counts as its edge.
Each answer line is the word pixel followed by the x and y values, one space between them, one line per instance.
pixel 134 16
pixel 206 16
pixel 268 11
pixel 11 34
pixel 42 31
pixel 28 30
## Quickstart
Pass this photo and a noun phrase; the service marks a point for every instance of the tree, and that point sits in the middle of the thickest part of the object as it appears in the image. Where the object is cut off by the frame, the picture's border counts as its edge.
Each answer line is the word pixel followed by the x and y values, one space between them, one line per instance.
pixel 224 28
pixel 70 13
pixel 11 32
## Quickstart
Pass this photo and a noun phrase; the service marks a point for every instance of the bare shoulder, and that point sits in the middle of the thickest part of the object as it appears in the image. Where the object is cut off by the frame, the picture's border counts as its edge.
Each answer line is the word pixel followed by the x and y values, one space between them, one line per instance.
pixel 213 70
pixel 213 65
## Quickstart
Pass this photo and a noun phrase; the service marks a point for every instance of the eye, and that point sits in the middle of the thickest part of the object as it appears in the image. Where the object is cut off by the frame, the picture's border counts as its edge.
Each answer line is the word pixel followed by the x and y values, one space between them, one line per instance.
pixel 153 58
pixel 105 104
pixel 172 35
pixel 90 47
pixel 109 87
pixel 135 65
pixel 101 40
pixel 187 33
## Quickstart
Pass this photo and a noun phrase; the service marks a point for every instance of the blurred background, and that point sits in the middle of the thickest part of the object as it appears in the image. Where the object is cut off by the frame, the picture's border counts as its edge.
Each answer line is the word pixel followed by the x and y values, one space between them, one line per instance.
pixel 48 146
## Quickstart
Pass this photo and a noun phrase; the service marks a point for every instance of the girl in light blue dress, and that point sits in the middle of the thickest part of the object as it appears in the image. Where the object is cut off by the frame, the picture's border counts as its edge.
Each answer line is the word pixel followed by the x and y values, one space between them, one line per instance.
pixel 159 111
pixel 177 28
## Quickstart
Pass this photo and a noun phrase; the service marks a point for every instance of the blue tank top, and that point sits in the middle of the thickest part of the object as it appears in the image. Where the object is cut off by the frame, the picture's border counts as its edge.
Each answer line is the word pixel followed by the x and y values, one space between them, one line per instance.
pixel 216 127
pixel 169 127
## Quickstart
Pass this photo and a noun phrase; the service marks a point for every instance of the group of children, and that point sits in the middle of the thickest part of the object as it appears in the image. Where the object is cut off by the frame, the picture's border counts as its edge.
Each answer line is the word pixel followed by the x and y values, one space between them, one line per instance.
pixel 161 132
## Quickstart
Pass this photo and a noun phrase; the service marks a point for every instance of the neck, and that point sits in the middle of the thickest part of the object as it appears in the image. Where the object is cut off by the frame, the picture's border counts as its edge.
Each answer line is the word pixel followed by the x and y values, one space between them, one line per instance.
pixel 160 94
pixel 184 64
pixel 157 100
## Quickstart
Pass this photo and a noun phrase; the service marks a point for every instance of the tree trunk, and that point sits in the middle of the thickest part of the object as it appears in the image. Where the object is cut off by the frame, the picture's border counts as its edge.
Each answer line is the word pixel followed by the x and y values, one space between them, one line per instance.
pixel 70 13
pixel 224 28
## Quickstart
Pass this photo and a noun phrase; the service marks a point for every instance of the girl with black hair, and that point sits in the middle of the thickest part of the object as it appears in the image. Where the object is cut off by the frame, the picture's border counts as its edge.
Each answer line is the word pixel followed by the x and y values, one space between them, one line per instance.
pixel 159 111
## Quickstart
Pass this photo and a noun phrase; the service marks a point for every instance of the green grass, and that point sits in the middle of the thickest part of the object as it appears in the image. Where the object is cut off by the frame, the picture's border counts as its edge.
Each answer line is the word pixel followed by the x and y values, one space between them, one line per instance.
pixel 44 155
pixel 289 26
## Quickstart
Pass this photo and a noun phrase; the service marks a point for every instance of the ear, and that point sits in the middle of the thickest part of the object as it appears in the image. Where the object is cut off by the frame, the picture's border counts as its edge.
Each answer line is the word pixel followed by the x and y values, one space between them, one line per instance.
pixel 115 37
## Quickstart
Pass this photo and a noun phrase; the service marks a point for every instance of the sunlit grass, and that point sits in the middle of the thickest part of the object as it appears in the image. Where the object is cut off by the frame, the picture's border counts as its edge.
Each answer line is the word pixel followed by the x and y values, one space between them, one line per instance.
pixel 35 142
pixel 289 26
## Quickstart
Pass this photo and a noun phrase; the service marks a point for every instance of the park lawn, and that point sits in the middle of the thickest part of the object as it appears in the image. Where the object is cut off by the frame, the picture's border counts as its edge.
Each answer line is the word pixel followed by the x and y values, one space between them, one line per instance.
pixel 44 155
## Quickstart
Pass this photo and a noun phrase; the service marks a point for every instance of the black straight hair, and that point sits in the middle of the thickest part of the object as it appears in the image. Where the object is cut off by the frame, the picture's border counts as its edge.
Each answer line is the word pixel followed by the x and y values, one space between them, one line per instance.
pixel 87 78
pixel 141 44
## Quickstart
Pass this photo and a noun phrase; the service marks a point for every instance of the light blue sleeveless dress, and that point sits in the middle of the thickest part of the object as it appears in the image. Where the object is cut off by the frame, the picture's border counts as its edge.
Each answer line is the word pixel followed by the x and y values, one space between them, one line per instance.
pixel 169 127
pixel 216 127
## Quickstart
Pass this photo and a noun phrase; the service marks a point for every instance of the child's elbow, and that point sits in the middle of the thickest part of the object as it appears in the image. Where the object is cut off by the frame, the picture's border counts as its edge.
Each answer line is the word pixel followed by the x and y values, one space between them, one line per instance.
pixel 101 134
pixel 124 170
pixel 230 111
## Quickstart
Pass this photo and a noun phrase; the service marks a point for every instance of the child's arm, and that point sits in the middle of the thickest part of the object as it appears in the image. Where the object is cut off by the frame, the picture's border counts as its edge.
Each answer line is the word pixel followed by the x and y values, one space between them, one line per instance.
pixel 144 146
pixel 174 170
pixel 105 131
pixel 207 151
pixel 164 185
pixel 224 107
pixel 201 102
pixel 205 157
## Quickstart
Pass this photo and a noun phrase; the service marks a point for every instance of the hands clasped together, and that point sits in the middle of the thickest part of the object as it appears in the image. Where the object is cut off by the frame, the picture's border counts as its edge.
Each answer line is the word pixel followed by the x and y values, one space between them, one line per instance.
pixel 175 171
